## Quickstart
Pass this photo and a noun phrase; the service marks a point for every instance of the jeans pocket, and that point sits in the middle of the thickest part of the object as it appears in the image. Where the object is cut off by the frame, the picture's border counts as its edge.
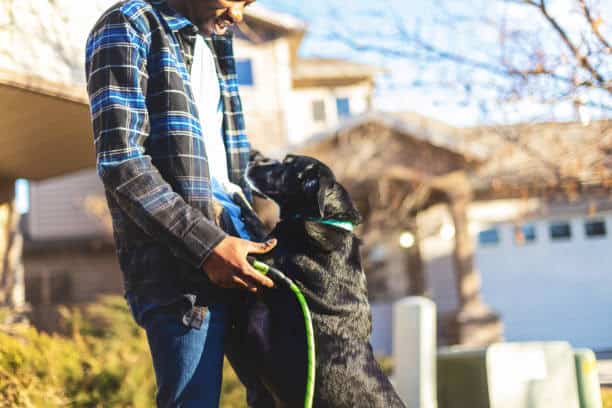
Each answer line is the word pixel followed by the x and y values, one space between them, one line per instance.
pixel 143 310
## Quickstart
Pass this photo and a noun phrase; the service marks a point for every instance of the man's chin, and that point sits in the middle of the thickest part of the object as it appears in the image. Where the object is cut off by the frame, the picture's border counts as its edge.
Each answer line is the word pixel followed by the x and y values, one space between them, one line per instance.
pixel 210 29
pixel 221 31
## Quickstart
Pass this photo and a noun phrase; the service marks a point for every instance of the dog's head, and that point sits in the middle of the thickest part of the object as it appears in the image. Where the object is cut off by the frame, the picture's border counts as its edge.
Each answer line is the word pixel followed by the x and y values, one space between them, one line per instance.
pixel 303 187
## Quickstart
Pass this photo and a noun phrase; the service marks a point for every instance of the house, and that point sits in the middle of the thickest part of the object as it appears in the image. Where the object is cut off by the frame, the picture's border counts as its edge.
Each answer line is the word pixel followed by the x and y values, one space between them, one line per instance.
pixel 68 251
pixel 287 98
pixel 540 222
pixel 399 169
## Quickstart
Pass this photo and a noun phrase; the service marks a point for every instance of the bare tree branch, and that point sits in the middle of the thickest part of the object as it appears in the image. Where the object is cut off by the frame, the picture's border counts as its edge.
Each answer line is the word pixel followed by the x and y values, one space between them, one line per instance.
pixel 595 25
pixel 580 57
pixel 528 63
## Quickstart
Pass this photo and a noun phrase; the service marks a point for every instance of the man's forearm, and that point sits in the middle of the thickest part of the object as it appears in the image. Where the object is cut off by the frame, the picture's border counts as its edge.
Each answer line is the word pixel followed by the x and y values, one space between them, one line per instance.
pixel 150 202
pixel 117 78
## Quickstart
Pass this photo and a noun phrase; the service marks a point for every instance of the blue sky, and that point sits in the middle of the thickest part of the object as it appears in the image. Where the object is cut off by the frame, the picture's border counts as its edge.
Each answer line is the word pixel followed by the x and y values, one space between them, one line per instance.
pixel 408 85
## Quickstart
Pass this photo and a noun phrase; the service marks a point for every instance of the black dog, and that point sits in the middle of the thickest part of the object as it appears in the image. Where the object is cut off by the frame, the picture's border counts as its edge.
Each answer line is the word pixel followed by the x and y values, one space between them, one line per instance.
pixel 266 343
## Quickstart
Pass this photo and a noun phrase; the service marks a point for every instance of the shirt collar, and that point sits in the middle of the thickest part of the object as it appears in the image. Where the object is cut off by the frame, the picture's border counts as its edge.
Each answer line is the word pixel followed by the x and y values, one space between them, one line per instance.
pixel 176 21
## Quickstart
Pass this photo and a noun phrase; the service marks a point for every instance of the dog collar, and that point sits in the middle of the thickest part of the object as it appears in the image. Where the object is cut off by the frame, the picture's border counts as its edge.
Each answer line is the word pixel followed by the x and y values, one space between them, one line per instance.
pixel 345 225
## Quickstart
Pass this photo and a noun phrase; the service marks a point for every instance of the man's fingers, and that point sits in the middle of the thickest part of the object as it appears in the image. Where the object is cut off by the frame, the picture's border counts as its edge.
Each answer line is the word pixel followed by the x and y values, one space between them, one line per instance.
pixel 243 284
pixel 257 276
pixel 261 248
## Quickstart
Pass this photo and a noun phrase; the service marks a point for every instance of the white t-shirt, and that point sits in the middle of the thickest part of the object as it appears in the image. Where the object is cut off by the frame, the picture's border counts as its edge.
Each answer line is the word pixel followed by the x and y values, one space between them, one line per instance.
pixel 207 94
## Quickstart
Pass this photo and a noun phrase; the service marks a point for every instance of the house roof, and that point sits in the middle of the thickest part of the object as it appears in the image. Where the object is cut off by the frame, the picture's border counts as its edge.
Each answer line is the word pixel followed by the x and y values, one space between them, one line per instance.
pixel 41 121
pixel 413 125
pixel 511 160
pixel 329 71
pixel 542 156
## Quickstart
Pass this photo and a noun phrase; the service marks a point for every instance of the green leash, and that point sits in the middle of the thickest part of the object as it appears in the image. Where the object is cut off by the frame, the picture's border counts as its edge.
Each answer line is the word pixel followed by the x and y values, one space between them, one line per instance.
pixel 278 276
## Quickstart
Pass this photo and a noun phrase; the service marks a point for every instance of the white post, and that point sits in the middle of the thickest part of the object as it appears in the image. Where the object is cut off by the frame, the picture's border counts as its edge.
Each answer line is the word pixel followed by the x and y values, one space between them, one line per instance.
pixel 414 351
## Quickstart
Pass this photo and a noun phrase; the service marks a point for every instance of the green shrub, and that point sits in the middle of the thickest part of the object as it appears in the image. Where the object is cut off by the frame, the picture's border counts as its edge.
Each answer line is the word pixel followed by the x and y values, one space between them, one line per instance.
pixel 103 362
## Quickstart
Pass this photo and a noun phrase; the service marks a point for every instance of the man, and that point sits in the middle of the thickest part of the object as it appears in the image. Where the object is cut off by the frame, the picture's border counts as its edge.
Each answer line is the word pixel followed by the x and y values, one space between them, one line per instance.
pixel 169 135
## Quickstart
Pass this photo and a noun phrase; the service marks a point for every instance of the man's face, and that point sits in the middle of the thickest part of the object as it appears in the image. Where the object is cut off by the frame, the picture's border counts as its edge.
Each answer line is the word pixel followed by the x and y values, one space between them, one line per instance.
pixel 216 16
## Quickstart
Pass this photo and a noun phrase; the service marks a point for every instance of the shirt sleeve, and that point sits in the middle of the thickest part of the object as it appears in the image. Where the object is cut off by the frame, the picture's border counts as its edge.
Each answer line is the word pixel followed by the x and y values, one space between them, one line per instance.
pixel 116 72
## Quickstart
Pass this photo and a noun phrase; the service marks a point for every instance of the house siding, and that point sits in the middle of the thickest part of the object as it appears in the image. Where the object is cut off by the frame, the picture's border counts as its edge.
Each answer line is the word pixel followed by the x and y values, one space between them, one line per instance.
pixel 68 275
pixel 549 290
pixel 59 208
pixel 301 117
pixel 263 105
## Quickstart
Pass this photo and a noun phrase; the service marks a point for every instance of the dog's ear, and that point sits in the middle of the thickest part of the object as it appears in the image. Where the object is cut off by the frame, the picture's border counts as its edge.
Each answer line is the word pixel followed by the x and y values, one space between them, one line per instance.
pixel 335 202
pixel 315 189
pixel 325 183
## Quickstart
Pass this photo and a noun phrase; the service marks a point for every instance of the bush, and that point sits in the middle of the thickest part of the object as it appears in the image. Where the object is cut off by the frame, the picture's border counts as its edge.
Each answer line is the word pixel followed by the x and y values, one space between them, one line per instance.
pixel 104 362
pixel 606 395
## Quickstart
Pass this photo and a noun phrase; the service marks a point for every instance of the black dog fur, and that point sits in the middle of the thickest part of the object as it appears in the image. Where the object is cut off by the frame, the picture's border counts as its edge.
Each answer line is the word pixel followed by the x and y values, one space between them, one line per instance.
pixel 266 341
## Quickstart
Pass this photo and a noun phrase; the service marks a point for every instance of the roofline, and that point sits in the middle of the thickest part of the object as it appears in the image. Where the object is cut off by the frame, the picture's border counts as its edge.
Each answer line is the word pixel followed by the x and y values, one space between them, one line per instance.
pixel 39 85
pixel 385 120
pixel 519 125
pixel 366 70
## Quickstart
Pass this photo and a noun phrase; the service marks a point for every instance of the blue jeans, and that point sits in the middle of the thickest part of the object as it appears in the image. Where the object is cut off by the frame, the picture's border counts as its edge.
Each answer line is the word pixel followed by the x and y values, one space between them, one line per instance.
pixel 188 361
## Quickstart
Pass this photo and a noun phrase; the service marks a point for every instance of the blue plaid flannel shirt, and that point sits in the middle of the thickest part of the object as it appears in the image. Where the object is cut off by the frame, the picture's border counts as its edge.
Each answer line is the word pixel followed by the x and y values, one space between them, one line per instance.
pixel 150 153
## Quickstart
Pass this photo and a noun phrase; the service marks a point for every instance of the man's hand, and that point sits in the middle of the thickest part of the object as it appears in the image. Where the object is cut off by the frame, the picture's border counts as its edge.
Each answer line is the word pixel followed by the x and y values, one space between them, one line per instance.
pixel 228 267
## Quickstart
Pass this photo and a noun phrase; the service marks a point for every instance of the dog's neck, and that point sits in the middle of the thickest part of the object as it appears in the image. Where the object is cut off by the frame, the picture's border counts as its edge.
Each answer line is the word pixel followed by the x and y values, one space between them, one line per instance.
pixel 345 225
pixel 342 224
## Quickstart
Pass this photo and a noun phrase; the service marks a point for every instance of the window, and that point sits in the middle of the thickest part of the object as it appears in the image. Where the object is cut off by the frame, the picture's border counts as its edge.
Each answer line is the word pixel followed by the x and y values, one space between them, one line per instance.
pixel 524 234
pixel 244 72
pixel 344 107
pixel 560 231
pixel 488 237
pixel 318 111
pixel 595 229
